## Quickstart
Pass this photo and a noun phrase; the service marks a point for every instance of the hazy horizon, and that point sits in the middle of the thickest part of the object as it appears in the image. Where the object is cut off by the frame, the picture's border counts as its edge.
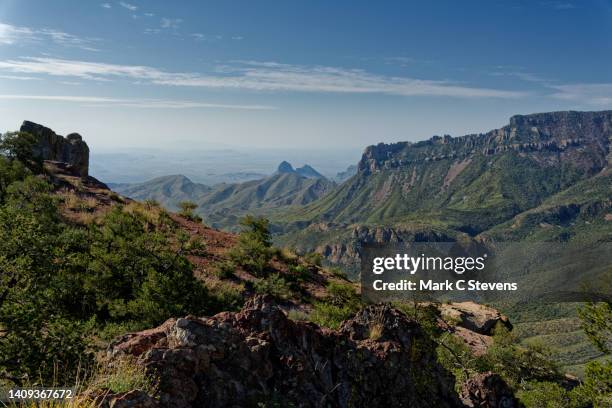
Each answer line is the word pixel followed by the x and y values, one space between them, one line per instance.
pixel 213 166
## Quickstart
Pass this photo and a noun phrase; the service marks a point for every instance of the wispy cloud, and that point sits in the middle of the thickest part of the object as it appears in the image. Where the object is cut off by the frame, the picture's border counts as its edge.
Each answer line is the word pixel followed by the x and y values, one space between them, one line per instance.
pixel 558 5
pixel 128 6
pixel 209 38
pixel 10 35
pixel 19 78
pixel 106 5
pixel 171 22
pixel 590 94
pixel 524 76
pixel 259 76
pixel 134 103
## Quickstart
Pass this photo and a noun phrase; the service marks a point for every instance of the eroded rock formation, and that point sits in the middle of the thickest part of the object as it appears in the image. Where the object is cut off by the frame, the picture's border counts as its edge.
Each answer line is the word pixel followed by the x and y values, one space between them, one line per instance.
pixel 50 146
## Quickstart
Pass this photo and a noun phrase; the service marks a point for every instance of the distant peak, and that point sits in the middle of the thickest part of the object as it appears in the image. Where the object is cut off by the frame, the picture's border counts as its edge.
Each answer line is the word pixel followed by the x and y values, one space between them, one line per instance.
pixel 309 172
pixel 285 167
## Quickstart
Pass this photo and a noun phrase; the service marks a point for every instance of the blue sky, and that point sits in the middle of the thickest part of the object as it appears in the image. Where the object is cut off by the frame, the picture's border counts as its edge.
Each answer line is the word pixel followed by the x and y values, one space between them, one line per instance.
pixel 303 74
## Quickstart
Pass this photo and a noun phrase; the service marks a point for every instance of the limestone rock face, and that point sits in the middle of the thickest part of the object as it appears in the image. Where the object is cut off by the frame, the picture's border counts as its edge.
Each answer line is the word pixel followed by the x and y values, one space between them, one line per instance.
pixel 50 146
pixel 378 358
pixel 580 138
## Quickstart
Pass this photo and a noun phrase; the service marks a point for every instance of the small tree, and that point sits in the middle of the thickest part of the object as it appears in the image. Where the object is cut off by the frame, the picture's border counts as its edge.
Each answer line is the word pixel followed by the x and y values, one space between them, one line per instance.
pixel 253 250
pixel 20 146
pixel 187 211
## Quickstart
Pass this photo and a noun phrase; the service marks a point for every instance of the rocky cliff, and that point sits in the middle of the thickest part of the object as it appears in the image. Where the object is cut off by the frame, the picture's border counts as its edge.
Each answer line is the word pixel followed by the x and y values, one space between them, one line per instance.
pixel 50 146
pixel 548 137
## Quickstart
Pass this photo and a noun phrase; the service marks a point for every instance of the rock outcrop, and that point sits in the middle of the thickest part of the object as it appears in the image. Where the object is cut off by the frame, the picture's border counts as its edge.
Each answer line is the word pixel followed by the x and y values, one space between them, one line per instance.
pixel 380 357
pixel 488 390
pixel 50 146
pixel 475 317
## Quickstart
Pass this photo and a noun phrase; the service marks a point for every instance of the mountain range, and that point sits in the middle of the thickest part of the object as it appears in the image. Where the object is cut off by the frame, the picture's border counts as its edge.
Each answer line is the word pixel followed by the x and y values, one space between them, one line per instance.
pixel 471 186
pixel 224 204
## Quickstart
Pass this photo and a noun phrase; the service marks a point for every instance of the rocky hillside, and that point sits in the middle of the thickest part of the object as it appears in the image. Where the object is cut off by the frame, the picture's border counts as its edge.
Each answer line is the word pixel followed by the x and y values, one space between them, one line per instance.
pixel 224 204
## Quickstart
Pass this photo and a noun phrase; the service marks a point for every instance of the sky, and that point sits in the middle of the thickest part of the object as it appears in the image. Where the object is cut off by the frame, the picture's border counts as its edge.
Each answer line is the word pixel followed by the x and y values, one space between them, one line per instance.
pixel 296 74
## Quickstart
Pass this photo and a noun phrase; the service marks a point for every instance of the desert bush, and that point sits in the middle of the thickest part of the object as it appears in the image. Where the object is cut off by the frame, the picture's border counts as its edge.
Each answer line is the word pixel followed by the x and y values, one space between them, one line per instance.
pixel 596 321
pixel 225 296
pixel 329 315
pixel 300 273
pixel 343 294
pixel 224 269
pixel 273 285
pixel 297 315
pixel 541 394
pixel 288 256
pixel 337 272
pixel 341 303
pixel 253 251
pixel 187 211
pixel 517 363
pixel 313 258
pixel 122 375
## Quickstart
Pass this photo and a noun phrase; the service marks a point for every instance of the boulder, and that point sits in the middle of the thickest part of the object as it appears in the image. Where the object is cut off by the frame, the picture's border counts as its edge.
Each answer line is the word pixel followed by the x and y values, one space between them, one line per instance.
pixel 380 357
pixel 71 149
pixel 474 316
pixel 488 390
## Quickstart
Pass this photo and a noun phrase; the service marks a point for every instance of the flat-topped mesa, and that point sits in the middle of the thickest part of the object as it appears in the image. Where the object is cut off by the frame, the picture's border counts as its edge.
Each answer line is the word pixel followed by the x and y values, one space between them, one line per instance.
pixel 50 146
pixel 547 137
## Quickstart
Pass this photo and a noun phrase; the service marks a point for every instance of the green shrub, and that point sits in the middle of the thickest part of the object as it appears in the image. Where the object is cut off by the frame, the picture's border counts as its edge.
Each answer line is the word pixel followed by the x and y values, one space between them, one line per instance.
pixel 341 303
pixel 517 363
pixel 300 273
pixel 297 315
pixel 343 294
pixel 596 321
pixel 225 297
pixel 597 384
pixel 123 375
pixel 273 285
pixel 187 211
pixel 337 272
pixel 539 394
pixel 253 251
pixel 329 315
pixel 224 269
pixel 313 258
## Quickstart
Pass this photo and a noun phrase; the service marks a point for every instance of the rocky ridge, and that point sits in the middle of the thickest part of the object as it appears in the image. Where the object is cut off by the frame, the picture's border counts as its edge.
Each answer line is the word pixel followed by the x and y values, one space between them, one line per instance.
pixel 556 136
